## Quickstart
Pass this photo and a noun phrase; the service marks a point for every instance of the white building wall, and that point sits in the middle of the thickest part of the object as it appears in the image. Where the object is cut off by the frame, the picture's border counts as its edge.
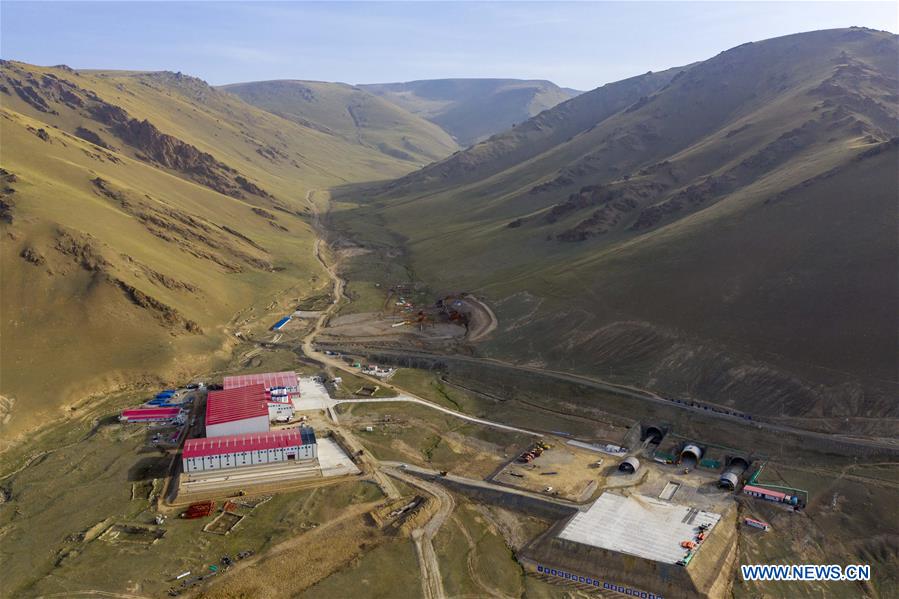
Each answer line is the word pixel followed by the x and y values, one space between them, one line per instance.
pixel 276 409
pixel 249 458
pixel 259 424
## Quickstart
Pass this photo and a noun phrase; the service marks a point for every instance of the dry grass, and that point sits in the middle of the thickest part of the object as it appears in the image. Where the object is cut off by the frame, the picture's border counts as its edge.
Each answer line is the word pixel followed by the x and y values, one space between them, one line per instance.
pixel 300 562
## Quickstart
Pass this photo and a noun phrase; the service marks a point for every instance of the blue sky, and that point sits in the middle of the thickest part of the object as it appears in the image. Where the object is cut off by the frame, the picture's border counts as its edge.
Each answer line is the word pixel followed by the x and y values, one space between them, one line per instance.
pixel 580 44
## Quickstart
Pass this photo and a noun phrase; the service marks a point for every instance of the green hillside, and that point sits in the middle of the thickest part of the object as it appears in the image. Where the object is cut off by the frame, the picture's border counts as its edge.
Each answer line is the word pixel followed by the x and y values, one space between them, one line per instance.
pixel 473 109
pixel 352 114
pixel 728 234
pixel 141 213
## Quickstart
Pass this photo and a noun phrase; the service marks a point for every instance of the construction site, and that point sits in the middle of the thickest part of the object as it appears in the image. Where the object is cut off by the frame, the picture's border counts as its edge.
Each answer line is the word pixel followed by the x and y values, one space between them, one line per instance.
pixel 651 532
pixel 559 469
pixel 408 315
pixel 623 520
pixel 259 435
pixel 639 510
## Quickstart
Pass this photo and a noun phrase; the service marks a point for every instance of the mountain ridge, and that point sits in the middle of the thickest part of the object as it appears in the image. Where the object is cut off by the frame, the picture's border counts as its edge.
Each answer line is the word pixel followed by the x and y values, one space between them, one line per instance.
pixel 472 109
pixel 352 113
pixel 141 212
pixel 664 180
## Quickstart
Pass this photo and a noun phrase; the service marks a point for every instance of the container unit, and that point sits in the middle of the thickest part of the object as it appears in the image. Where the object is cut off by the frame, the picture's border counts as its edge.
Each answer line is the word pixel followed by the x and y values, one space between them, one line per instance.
pixel 756 524
pixel 770 495
pixel 154 414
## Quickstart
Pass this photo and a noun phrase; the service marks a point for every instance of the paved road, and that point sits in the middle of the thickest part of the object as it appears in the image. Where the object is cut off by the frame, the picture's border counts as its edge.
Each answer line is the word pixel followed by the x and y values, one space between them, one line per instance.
pixel 639 394
pixel 405 397
pixel 592 382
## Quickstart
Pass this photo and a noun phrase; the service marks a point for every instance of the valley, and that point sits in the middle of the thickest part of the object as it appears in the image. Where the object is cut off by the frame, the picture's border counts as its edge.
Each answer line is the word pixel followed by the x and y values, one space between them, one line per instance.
pixel 467 421
pixel 505 338
pixel 685 261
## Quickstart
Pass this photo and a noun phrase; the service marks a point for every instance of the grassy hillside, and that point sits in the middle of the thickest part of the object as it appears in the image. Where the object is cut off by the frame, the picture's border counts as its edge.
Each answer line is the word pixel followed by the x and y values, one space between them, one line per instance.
pixel 473 109
pixel 726 235
pixel 140 214
pixel 352 114
pixel 531 138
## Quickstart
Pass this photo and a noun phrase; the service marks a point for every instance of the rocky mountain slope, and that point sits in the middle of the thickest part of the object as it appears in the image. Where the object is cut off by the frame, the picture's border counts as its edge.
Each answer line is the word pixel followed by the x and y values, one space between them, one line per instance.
pixel 723 231
pixel 140 212
pixel 353 114
pixel 473 109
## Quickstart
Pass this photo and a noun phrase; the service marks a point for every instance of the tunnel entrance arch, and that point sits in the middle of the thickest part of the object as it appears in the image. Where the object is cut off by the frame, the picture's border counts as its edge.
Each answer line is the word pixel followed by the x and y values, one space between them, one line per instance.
pixel 690 455
pixel 653 433
pixel 737 464
pixel 629 465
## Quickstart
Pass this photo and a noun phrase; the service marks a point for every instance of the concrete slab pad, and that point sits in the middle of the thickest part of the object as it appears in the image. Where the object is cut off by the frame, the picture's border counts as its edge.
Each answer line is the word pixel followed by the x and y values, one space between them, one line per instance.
pixel 333 460
pixel 313 396
pixel 638 525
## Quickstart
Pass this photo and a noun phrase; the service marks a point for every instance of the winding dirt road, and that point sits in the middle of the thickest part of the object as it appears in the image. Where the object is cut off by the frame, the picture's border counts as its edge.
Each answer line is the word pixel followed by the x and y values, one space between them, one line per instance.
pixel 431 580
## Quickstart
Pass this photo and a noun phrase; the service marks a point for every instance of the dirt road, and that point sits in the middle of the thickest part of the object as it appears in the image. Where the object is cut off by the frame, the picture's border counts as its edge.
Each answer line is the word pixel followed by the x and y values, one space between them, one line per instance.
pixel 412 470
pixel 337 293
pixel 431 580
pixel 483 321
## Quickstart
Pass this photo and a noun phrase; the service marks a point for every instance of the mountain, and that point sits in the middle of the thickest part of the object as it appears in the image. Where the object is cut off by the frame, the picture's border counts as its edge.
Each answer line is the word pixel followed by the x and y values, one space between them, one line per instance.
pixel 723 231
pixel 140 213
pixel 353 114
pixel 473 109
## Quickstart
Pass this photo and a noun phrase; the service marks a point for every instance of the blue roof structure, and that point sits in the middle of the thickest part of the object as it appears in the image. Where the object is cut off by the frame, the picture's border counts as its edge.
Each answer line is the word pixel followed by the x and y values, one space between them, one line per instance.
pixel 281 323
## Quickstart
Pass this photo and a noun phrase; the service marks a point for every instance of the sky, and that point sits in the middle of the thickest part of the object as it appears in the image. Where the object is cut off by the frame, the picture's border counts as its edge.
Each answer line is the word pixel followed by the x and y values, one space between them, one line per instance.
pixel 574 44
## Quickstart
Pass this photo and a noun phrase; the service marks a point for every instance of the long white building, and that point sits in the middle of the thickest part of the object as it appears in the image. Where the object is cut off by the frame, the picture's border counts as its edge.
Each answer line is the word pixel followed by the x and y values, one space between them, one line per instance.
pixel 235 451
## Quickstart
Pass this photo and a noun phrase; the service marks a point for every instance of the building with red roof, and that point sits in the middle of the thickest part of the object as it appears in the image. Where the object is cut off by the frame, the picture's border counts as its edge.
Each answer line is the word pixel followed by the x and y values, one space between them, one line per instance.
pixel 280 385
pixel 237 411
pixel 769 494
pixel 251 449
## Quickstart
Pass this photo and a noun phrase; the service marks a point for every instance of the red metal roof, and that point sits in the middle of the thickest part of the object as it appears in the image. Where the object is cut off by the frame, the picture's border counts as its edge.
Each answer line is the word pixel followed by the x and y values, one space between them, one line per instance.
pixel 194 448
pixel 236 404
pixel 763 491
pixel 144 413
pixel 269 379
